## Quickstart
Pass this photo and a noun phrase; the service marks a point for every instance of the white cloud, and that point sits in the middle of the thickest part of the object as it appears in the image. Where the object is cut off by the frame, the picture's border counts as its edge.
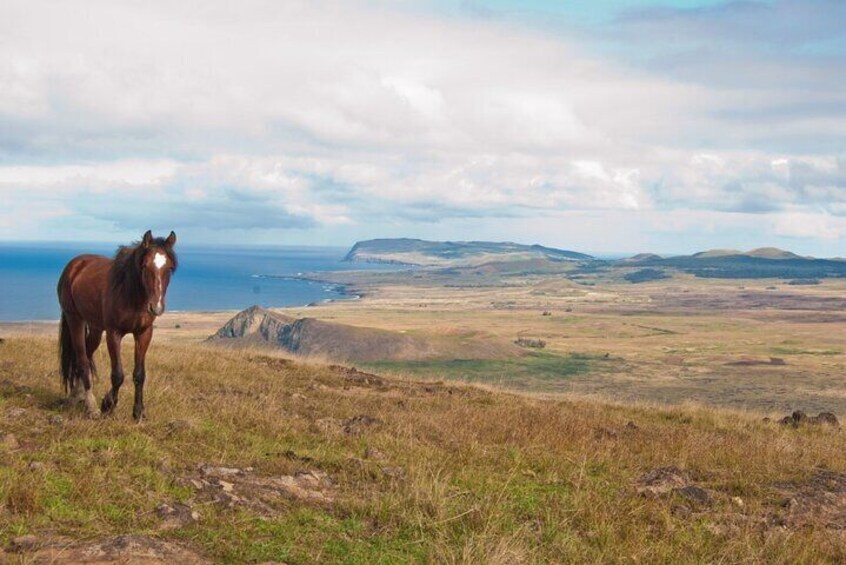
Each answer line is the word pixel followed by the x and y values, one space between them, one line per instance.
pixel 809 226
pixel 308 115
pixel 132 172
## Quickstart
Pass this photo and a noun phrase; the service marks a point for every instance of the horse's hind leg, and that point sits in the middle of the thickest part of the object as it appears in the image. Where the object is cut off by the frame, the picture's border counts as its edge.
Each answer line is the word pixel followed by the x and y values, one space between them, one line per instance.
pixel 113 340
pixel 83 366
pixel 92 342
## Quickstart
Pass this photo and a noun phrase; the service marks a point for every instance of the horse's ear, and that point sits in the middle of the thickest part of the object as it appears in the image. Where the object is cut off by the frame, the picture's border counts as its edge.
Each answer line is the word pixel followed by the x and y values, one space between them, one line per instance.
pixel 148 237
pixel 171 239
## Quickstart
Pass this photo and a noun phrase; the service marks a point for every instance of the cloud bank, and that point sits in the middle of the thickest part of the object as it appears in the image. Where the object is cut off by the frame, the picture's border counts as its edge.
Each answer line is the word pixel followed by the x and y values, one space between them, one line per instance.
pixel 329 121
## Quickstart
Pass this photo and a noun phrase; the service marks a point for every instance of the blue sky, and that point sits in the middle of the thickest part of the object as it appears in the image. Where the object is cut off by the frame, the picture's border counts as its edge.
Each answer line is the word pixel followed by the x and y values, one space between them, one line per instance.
pixel 598 126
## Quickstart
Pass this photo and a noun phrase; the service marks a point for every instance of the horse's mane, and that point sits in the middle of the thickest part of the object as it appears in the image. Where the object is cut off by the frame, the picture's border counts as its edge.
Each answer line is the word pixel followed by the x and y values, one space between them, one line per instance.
pixel 125 272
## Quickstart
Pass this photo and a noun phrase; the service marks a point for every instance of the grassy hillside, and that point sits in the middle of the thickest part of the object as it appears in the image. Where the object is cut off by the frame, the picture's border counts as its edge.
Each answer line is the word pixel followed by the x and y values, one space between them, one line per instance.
pixel 279 460
pixel 453 253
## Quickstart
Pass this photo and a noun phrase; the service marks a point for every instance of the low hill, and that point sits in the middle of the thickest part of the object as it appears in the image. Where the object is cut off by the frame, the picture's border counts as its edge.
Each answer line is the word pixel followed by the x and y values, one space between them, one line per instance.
pixel 761 252
pixel 717 253
pixel 248 458
pixel 310 337
pixel 453 253
pixel 640 258
pixel 765 262
pixel 772 253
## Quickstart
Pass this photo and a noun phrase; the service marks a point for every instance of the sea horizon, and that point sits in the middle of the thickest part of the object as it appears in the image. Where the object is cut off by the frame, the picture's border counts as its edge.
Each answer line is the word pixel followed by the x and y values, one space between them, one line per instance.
pixel 210 277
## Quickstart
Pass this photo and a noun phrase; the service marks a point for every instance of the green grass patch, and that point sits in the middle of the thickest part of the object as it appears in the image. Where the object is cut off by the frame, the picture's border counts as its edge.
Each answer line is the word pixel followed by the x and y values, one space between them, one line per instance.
pixel 538 370
pixel 781 350
pixel 305 535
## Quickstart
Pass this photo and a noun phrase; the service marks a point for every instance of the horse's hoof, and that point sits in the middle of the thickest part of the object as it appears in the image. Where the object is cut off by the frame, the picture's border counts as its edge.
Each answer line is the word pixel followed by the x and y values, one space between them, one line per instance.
pixel 107 406
pixel 91 405
pixel 93 415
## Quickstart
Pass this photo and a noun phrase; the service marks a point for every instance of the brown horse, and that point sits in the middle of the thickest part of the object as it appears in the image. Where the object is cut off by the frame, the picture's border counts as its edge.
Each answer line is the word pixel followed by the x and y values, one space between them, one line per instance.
pixel 119 296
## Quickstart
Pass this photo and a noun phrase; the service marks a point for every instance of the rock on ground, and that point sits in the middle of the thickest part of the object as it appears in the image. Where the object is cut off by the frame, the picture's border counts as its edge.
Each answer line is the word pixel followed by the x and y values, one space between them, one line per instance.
pixel 176 515
pixel 661 481
pixel 799 418
pixel 232 487
pixel 820 500
pixel 665 481
pixel 126 549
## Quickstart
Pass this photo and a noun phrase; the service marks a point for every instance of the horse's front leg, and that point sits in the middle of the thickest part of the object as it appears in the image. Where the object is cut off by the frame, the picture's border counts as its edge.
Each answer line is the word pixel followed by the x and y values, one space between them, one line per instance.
pixel 142 342
pixel 110 401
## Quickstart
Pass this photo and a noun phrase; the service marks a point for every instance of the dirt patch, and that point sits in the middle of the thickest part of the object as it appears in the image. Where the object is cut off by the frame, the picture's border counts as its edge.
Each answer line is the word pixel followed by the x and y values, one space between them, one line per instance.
pixel 354 426
pixel 126 549
pixel 661 481
pixel 175 516
pixel 752 362
pixel 666 481
pixel 233 487
pixel 9 388
pixel 359 378
pixel 818 501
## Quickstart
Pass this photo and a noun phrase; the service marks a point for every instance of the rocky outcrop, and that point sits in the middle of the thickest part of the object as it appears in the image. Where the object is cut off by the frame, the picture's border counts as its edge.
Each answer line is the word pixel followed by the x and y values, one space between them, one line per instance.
pixel 234 487
pixel 310 337
pixel 799 418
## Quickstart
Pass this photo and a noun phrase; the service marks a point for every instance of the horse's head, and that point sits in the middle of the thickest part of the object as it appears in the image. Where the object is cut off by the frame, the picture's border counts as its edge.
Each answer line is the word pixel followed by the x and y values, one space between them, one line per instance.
pixel 158 262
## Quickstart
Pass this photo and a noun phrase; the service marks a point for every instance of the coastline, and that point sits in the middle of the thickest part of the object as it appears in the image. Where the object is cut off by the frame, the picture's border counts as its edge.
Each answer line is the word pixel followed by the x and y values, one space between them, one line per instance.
pixel 189 324
pixel 211 278
pixel 348 291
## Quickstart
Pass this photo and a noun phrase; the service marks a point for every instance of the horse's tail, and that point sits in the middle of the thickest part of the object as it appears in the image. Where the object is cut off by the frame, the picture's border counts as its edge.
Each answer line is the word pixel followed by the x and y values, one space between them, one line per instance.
pixel 66 354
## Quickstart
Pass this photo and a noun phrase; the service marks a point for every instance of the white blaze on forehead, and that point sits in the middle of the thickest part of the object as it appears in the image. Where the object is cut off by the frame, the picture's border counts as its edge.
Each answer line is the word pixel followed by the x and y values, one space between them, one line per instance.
pixel 160 260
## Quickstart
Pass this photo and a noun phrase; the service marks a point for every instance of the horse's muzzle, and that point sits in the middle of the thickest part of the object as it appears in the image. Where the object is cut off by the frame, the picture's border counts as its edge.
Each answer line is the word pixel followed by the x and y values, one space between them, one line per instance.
pixel 156 310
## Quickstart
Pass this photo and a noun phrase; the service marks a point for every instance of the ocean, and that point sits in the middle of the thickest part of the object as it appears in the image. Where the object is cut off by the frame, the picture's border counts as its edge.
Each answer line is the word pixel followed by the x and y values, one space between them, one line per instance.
pixel 209 278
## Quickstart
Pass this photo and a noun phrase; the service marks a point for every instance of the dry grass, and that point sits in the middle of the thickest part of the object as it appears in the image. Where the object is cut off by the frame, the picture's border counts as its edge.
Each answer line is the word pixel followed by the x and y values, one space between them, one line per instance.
pixel 669 341
pixel 469 475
